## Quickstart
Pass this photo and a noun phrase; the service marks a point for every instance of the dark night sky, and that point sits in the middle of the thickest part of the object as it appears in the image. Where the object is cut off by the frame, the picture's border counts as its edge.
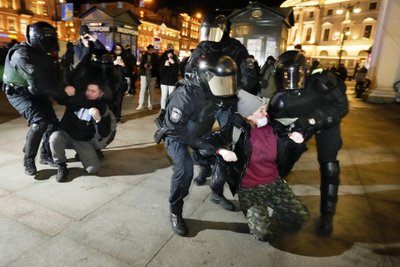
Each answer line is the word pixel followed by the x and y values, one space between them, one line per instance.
pixel 204 5
pixel 192 6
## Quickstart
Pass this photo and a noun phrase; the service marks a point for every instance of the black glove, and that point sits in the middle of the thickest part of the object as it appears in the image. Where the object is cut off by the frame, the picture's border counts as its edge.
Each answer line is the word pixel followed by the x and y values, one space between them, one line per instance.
pixel 306 126
pixel 206 150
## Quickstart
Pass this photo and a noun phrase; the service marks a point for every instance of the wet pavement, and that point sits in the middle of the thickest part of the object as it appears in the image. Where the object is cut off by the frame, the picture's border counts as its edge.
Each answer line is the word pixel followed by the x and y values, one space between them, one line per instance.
pixel 120 216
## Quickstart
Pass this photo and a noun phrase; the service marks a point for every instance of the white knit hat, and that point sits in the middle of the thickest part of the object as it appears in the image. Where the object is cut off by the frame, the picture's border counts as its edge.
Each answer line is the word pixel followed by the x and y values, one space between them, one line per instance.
pixel 248 103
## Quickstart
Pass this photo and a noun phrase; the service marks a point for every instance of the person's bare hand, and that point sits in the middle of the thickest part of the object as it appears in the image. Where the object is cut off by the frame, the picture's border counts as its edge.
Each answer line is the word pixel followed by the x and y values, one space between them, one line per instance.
pixel 69 90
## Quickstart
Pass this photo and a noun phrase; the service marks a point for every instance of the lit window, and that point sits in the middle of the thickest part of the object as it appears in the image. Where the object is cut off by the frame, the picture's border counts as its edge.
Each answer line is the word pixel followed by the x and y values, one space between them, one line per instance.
pixel 12 25
pixel 308 34
pixel 326 34
pixel 367 31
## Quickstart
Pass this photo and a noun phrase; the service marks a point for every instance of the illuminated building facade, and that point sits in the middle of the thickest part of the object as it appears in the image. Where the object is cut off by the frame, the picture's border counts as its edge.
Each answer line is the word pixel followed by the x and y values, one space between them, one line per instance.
pixel 334 31
pixel 15 15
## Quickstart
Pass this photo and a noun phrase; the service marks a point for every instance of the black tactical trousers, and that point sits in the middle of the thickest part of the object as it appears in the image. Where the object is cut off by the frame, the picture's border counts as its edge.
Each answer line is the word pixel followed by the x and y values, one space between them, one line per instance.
pixel 182 173
pixel 39 113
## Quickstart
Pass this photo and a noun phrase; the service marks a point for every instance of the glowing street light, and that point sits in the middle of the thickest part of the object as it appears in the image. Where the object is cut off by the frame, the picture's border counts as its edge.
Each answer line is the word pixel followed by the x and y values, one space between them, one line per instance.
pixel 345 33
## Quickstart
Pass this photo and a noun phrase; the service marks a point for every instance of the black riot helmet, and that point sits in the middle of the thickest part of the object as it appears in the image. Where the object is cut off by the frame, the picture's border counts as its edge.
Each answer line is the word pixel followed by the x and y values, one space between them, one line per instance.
pixel 217 74
pixel 214 28
pixel 291 71
pixel 41 35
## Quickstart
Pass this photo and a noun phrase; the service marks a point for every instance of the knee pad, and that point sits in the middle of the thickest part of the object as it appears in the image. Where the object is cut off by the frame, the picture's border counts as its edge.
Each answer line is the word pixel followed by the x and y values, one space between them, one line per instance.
pixel 330 170
pixel 39 126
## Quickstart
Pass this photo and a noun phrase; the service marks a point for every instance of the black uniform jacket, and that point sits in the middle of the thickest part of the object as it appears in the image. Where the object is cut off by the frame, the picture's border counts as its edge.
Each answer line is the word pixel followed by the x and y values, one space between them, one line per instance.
pixel 183 112
pixel 30 68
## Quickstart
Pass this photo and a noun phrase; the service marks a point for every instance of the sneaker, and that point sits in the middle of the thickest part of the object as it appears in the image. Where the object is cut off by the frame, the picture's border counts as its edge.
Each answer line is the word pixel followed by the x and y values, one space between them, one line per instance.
pixel 139 108
pixel 30 167
pixel 62 172
pixel 150 108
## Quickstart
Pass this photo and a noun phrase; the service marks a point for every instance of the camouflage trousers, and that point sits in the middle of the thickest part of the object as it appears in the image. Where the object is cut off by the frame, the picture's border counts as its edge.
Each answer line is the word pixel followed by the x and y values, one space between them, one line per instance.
pixel 287 211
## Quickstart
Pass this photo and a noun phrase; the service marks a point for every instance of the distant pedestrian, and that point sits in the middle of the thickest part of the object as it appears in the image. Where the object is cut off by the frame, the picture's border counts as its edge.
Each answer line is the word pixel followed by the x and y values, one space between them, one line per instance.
pixel 122 65
pixel 149 67
pixel 342 71
pixel 131 65
pixel 169 70
pixel 86 43
pixel 266 78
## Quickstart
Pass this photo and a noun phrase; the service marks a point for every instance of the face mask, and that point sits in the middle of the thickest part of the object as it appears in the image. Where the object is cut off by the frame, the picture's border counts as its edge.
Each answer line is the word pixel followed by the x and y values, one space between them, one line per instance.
pixel 262 122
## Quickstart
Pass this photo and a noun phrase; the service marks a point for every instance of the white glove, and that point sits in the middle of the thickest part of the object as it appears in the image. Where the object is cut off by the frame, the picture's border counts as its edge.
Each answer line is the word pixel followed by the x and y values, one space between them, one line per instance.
pixel 228 156
pixel 296 137
pixel 171 61
pixel 95 113
pixel 166 63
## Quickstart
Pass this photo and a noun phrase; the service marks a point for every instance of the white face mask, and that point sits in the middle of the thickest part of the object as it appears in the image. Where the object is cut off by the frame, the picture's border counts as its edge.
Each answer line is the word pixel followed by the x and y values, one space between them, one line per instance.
pixel 262 122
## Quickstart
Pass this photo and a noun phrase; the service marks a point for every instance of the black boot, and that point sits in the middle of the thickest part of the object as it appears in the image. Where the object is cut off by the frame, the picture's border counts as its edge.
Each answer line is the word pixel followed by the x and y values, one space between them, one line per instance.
pixel 62 172
pixel 30 167
pixel 178 224
pixel 33 138
pixel 325 224
pixel 205 171
pixel 222 201
pixel 329 195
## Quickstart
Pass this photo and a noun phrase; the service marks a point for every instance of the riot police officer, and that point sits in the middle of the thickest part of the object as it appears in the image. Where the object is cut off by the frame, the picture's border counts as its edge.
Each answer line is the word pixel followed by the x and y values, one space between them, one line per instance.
pixel 312 104
pixel 30 77
pixel 214 37
pixel 213 78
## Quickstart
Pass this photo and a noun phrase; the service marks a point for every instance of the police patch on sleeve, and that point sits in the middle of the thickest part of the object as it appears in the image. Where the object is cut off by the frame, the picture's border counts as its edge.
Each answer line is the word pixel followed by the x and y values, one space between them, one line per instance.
pixel 176 115
pixel 29 68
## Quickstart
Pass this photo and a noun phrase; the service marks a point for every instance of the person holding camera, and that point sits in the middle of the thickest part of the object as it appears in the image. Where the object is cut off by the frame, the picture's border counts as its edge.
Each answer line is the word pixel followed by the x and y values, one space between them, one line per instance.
pixel 148 76
pixel 169 69
pixel 86 43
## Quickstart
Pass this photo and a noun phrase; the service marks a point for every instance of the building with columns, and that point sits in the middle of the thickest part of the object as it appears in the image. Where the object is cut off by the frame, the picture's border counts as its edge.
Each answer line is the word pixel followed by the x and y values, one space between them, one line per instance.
pixel 334 31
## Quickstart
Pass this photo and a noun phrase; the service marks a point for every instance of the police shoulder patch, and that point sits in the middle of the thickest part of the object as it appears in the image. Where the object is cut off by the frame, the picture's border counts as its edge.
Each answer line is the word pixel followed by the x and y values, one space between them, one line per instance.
pixel 29 68
pixel 176 115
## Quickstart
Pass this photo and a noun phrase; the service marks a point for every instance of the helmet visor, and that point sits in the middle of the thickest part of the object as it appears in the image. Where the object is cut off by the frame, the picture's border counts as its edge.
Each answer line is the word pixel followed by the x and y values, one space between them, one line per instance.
pixel 222 86
pixel 211 33
pixel 293 78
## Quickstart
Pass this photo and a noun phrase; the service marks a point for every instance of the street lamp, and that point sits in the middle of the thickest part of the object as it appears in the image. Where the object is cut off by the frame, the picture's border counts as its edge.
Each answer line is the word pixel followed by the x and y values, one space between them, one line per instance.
pixel 355 8
pixel 343 35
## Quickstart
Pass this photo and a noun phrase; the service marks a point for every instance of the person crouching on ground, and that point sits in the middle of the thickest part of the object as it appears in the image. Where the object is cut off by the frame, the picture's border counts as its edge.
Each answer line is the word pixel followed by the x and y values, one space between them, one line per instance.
pixel 78 127
pixel 258 183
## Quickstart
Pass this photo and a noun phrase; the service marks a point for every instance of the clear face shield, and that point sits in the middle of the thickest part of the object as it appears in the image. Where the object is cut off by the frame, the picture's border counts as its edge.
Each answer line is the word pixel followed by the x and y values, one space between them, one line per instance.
pixel 221 78
pixel 211 33
pixel 222 86
pixel 293 78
